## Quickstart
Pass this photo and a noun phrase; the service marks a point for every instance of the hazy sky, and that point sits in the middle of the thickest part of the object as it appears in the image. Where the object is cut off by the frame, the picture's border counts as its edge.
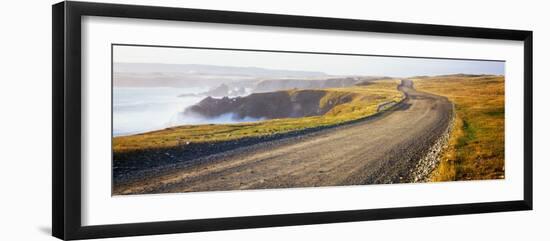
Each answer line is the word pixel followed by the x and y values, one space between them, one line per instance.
pixel 327 63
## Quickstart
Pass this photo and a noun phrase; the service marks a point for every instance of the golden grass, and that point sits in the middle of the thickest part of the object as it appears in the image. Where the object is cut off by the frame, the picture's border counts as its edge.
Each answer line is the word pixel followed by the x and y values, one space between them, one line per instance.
pixel 476 146
pixel 365 100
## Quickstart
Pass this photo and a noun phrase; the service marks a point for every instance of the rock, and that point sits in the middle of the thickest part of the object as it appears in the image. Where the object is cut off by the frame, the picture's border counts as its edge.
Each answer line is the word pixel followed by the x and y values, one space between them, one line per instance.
pixel 221 90
pixel 271 105
pixel 429 162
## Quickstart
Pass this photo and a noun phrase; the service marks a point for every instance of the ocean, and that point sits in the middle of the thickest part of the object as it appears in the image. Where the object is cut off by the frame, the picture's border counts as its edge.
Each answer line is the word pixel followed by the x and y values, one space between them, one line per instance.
pixel 143 109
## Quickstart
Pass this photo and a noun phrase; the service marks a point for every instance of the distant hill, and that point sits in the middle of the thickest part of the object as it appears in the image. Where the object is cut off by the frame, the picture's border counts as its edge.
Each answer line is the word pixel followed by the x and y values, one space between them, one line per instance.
pixel 269 85
pixel 198 69
pixel 453 75
pixel 464 75
pixel 190 75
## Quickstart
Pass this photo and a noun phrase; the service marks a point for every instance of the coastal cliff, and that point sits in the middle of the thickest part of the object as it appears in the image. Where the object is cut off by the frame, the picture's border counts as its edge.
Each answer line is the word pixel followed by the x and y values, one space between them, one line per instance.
pixel 272 105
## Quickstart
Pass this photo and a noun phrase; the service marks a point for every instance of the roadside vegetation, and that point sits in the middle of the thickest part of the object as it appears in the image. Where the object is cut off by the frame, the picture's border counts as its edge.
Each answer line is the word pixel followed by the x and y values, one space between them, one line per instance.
pixel 364 102
pixel 476 145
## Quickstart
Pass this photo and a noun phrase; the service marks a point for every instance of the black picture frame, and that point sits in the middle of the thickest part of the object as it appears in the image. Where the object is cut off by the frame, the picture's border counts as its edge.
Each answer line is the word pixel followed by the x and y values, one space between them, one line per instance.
pixel 66 158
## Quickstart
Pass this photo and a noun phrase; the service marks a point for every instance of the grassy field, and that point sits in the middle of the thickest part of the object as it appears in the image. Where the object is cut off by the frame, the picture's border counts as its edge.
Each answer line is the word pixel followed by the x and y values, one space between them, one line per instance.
pixel 365 100
pixel 476 146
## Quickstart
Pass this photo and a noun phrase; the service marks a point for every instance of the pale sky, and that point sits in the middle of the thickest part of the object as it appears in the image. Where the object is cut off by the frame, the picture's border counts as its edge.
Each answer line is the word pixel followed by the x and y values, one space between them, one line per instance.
pixel 327 63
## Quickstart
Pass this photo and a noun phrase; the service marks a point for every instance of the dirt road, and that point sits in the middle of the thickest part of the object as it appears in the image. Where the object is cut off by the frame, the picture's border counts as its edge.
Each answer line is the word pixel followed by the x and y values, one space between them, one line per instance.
pixel 383 149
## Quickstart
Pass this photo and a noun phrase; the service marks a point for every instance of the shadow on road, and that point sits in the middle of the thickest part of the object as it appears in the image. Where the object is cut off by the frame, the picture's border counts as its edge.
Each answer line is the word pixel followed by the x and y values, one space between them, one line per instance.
pixel 403 107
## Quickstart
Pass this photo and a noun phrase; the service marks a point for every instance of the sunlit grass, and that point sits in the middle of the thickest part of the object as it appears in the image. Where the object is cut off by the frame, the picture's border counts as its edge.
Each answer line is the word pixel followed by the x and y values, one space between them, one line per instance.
pixel 476 146
pixel 364 102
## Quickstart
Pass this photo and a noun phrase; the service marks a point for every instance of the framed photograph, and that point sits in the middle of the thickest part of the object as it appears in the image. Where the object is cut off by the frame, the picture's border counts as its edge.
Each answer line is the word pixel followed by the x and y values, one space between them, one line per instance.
pixel 169 120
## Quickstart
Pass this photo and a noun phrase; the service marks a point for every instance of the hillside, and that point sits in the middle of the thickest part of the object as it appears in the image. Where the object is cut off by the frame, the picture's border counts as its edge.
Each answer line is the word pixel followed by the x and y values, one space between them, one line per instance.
pixel 264 85
pixel 273 105
pixel 476 148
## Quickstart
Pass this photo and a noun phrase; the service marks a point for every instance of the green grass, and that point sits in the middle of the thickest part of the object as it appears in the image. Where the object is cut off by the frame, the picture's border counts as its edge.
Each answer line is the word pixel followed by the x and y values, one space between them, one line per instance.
pixel 476 145
pixel 467 136
pixel 498 112
pixel 364 102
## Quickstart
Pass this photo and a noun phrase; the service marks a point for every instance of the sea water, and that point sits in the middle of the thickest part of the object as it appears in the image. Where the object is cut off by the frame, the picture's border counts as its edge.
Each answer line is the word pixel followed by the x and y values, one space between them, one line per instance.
pixel 143 109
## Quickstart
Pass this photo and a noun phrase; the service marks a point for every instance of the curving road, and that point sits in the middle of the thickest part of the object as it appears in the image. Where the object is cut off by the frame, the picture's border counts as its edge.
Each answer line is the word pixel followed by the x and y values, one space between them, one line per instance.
pixel 383 149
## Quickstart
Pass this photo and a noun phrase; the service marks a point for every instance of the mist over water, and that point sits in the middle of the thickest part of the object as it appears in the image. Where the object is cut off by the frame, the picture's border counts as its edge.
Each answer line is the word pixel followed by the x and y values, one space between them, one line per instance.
pixel 143 109
pixel 228 118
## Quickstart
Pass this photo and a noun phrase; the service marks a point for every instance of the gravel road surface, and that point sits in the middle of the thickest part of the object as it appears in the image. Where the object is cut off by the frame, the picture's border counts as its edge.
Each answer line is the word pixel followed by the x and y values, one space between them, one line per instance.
pixel 383 149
